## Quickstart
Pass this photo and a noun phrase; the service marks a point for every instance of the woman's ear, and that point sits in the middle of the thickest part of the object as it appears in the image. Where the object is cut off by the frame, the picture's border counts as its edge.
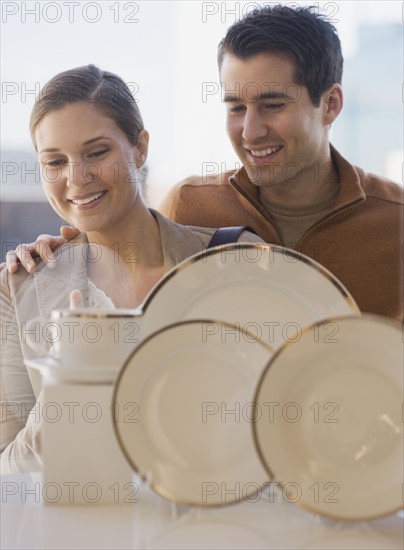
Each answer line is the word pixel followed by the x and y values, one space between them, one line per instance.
pixel 142 148
pixel 333 100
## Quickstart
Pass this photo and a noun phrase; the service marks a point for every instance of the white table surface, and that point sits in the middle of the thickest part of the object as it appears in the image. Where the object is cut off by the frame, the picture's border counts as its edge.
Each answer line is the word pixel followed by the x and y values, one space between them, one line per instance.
pixel 153 522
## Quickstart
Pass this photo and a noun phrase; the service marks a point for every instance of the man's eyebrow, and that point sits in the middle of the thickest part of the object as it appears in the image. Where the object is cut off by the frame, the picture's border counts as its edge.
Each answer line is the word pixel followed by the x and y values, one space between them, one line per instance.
pixel 88 142
pixel 230 98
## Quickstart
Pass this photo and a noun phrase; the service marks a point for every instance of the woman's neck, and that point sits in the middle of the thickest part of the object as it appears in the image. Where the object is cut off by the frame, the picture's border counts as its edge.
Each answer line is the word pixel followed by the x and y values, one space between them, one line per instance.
pixel 134 241
pixel 127 261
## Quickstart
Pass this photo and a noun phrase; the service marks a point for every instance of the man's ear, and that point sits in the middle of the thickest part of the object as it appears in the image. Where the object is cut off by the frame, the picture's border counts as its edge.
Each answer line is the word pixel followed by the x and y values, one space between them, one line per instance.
pixel 333 100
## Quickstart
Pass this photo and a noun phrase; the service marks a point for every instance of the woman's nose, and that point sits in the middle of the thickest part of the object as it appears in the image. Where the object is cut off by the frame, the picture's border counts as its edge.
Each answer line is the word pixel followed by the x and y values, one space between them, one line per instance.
pixel 82 173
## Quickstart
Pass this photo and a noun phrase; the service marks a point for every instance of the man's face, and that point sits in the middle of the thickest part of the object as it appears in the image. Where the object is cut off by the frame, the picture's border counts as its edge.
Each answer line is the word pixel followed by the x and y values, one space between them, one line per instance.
pixel 274 128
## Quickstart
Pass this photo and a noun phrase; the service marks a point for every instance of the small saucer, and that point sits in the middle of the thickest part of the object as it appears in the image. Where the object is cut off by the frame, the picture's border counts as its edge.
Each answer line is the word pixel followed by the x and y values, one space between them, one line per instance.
pixel 50 366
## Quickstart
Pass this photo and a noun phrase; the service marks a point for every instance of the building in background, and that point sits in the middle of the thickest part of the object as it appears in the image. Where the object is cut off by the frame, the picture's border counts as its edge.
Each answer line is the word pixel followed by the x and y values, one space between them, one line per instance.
pixel 369 131
pixel 24 210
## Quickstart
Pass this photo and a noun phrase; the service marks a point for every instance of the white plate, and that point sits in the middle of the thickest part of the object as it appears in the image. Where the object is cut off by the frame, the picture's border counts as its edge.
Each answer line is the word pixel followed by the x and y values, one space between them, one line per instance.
pixel 333 426
pixel 192 384
pixel 50 366
pixel 269 290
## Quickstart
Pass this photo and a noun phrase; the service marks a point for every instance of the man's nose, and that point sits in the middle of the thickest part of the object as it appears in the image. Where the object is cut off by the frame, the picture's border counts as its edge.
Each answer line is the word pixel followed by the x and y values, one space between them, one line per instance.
pixel 254 126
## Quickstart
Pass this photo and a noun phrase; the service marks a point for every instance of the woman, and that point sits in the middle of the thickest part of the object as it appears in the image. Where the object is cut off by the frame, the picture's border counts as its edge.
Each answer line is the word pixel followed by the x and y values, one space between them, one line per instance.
pixel 91 143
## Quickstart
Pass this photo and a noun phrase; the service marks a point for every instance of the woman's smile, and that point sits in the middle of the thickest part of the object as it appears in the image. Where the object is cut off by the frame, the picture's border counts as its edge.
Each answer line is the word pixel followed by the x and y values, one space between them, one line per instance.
pixel 88 200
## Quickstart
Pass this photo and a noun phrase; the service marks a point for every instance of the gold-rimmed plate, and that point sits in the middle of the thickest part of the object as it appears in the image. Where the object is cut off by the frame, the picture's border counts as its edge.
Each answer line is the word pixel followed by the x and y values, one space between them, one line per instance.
pixel 182 412
pixel 270 290
pixel 332 432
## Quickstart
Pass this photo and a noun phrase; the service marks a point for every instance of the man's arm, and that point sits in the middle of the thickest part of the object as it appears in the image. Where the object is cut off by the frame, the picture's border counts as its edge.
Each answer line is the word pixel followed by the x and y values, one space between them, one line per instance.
pixel 168 202
pixel 43 248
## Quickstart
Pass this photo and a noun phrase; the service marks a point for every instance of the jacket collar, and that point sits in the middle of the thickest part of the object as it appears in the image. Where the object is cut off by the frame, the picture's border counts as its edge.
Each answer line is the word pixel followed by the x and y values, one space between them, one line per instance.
pixel 351 190
pixel 178 241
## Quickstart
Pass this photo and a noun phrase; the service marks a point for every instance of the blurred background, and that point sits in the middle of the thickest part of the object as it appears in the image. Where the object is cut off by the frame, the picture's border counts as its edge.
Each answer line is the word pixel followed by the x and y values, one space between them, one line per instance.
pixel 166 52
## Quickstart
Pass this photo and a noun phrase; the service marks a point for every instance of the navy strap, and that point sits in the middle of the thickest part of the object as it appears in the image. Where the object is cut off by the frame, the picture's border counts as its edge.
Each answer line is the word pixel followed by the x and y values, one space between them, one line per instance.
pixel 227 235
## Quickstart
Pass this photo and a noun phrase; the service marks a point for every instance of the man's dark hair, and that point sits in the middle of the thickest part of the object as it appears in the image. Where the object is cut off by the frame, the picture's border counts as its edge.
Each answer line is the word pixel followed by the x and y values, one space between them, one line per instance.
pixel 301 34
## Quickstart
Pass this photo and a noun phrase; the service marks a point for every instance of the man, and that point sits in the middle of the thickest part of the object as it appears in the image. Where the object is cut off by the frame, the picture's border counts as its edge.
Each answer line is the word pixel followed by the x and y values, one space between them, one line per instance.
pixel 281 72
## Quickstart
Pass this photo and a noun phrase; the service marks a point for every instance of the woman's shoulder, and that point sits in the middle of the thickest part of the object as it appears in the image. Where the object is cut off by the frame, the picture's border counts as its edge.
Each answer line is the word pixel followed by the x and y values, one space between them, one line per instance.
pixel 182 241
pixel 48 281
pixel 203 234
pixel 10 281
pixel 225 235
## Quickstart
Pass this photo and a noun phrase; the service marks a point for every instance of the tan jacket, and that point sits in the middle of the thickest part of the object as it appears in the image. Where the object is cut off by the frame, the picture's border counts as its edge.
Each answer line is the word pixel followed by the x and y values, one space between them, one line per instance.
pixel 25 296
pixel 360 240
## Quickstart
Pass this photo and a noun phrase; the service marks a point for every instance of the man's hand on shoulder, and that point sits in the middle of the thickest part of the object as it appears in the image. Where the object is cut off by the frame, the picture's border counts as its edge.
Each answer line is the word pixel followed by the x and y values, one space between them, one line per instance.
pixel 43 248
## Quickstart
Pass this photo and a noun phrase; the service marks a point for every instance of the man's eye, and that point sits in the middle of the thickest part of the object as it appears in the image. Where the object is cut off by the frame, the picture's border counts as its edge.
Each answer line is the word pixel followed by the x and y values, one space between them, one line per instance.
pixel 236 109
pixel 274 106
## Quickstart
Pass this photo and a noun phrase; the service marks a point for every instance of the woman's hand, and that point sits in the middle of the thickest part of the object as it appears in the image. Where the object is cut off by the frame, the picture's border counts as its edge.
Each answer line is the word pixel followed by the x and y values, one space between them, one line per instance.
pixel 76 299
pixel 43 248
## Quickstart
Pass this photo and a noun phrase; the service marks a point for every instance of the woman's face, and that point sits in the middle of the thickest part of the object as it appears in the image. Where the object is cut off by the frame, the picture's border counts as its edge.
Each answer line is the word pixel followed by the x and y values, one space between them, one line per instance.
pixel 89 167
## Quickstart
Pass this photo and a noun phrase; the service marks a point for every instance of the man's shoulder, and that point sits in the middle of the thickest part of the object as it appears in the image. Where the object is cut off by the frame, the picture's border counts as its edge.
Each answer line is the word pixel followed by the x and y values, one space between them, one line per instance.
pixel 381 188
pixel 217 180
pixel 195 193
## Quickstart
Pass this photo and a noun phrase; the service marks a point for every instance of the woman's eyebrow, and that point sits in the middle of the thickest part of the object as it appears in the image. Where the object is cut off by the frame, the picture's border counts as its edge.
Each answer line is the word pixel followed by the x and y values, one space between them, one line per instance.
pixel 88 142
pixel 95 139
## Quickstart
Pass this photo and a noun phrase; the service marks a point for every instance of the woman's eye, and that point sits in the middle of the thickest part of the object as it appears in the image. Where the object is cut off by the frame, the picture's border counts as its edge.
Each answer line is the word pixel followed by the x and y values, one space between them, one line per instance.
pixel 98 153
pixel 55 163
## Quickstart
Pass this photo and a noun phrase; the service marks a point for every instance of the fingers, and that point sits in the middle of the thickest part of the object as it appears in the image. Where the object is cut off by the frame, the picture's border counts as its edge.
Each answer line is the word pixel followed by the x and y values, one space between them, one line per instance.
pixel 22 254
pixel 11 262
pixel 68 233
pixel 12 259
pixel 25 253
pixel 45 245
pixel 76 299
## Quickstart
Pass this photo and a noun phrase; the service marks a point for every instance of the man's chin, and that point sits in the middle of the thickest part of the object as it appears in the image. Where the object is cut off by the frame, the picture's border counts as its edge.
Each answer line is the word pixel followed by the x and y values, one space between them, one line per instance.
pixel 263 176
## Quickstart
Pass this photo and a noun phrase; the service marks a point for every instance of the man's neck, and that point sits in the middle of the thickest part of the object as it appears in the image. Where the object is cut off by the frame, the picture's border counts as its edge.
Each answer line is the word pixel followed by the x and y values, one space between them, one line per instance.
pixel 306 195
